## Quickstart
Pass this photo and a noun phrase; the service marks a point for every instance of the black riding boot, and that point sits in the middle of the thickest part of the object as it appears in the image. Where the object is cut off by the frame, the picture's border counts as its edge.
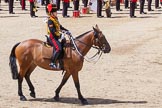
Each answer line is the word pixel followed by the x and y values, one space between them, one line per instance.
pixel 53 60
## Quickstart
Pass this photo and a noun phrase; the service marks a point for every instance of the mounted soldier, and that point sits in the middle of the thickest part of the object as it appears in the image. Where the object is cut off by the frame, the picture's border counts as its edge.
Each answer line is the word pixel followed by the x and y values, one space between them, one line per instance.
pixel 29 55
pixel 54 30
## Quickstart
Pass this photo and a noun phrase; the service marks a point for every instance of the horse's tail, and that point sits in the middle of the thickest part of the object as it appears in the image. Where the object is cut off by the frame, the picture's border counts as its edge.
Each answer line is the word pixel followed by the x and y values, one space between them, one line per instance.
pixel 12 62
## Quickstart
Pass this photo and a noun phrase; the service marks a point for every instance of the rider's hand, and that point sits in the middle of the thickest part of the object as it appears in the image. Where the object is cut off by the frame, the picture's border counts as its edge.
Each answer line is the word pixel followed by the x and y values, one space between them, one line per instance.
pixel 68 33
pixel 61 37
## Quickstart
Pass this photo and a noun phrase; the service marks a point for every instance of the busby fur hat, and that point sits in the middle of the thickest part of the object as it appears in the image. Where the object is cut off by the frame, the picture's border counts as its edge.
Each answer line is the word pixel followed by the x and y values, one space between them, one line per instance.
pixel 52 8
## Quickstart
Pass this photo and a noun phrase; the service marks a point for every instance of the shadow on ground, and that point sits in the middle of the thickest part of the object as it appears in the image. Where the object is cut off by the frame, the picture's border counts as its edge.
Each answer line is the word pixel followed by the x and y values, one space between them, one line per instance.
pixel 91 101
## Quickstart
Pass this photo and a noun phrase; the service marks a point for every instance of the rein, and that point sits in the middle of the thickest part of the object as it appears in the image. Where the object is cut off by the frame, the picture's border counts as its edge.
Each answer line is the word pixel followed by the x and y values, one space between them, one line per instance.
pixel 91 59
pixel 88 45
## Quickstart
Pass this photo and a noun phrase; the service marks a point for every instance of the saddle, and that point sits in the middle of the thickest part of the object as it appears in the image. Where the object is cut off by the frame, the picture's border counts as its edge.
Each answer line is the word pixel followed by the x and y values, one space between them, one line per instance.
pixel 47 50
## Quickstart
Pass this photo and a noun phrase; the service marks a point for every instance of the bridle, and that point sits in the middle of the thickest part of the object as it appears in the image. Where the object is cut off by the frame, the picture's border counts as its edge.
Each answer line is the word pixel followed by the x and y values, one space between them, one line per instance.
pixel 94 58
pixel 97 40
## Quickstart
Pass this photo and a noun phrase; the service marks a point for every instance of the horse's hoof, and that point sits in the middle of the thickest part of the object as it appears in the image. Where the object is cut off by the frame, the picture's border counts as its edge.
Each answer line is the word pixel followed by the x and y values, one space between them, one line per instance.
pixel 84 102
pixel 32 95
pixel 23 98
pixel 56 98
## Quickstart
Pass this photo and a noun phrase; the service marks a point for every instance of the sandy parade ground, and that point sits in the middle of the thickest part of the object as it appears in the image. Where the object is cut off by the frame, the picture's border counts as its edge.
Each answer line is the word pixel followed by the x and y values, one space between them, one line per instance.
pixel 130 76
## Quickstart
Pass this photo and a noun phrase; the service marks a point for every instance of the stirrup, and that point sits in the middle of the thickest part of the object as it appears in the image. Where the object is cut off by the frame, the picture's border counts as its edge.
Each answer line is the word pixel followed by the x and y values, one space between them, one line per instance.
pixel 53 65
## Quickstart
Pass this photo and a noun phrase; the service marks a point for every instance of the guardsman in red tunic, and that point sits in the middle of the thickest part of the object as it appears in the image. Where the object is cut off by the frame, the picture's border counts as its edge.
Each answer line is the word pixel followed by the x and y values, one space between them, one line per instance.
pixel 126 4
pixel 132 8
pixel 118 5
pixel 54 30
pixel 23 4
pixel 85 2
pixel 99 8
pixel 142 2
pixel 32 9
pixel 58 4
pixel 65 8
pixel 11 7
pixel 149 5
pixel 157 4
pixel 76 4
pixel 47 2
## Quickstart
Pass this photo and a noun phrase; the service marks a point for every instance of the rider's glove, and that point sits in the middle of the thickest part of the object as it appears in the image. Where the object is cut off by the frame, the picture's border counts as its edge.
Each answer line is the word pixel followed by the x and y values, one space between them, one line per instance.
pixel 68 33
pixel 61 37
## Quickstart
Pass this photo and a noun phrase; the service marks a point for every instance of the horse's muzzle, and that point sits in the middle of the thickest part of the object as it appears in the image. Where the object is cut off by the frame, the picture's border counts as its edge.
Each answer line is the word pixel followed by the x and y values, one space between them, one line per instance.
pixel 106 50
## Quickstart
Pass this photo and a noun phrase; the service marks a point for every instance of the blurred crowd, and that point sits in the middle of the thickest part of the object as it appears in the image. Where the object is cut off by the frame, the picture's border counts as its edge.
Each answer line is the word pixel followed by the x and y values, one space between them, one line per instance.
pixel 95 5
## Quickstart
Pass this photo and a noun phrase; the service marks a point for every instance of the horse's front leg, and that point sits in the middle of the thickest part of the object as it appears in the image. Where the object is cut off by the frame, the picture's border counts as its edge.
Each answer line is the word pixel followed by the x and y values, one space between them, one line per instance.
pixel 64 80
pixel 77 85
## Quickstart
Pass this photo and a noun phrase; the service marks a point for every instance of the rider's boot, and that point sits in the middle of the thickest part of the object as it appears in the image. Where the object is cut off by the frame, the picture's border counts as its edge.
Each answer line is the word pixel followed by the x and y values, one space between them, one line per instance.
pixel 53 60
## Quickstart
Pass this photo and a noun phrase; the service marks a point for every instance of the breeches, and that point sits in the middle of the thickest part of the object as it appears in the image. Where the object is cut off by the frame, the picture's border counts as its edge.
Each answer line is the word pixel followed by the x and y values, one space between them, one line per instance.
pixel 56 44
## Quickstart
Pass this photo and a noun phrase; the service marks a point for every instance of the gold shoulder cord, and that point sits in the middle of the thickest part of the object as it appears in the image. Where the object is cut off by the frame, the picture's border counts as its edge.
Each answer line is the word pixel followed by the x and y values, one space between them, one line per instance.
pixel 57 25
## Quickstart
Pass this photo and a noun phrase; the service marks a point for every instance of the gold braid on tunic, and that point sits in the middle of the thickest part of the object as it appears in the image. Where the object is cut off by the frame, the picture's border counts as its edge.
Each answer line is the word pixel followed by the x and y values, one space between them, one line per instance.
pixel 57 25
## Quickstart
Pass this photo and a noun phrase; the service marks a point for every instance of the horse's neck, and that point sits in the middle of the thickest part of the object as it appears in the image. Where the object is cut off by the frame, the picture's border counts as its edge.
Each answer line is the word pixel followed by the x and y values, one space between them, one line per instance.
pixel 85 43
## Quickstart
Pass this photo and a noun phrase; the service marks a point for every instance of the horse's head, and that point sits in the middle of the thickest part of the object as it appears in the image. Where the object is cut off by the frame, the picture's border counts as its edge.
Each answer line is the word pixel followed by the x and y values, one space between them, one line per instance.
pixel 100 40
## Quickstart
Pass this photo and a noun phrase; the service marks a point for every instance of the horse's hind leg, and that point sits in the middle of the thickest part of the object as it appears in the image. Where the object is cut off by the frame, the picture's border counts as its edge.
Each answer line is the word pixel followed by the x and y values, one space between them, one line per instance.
pixel 77 85
pixel 20 80
pixel 27 77
pixel 24 67
pixel 64 80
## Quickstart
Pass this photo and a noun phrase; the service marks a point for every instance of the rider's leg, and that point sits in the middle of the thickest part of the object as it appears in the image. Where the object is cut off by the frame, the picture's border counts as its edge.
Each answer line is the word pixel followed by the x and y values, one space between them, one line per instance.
pixel 56 53
pixel 53 59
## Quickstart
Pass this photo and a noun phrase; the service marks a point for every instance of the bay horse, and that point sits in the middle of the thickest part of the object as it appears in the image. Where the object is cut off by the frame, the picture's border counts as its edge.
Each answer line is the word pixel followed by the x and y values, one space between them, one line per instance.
pixel 29 55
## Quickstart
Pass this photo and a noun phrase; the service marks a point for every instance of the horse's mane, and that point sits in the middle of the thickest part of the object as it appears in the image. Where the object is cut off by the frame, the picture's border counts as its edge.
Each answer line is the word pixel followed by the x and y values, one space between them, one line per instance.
pixel 82 34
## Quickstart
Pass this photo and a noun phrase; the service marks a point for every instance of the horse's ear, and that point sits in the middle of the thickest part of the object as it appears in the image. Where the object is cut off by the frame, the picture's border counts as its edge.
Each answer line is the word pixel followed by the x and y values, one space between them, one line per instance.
pixel 97 27
pixel 94 29
pixel 95 32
